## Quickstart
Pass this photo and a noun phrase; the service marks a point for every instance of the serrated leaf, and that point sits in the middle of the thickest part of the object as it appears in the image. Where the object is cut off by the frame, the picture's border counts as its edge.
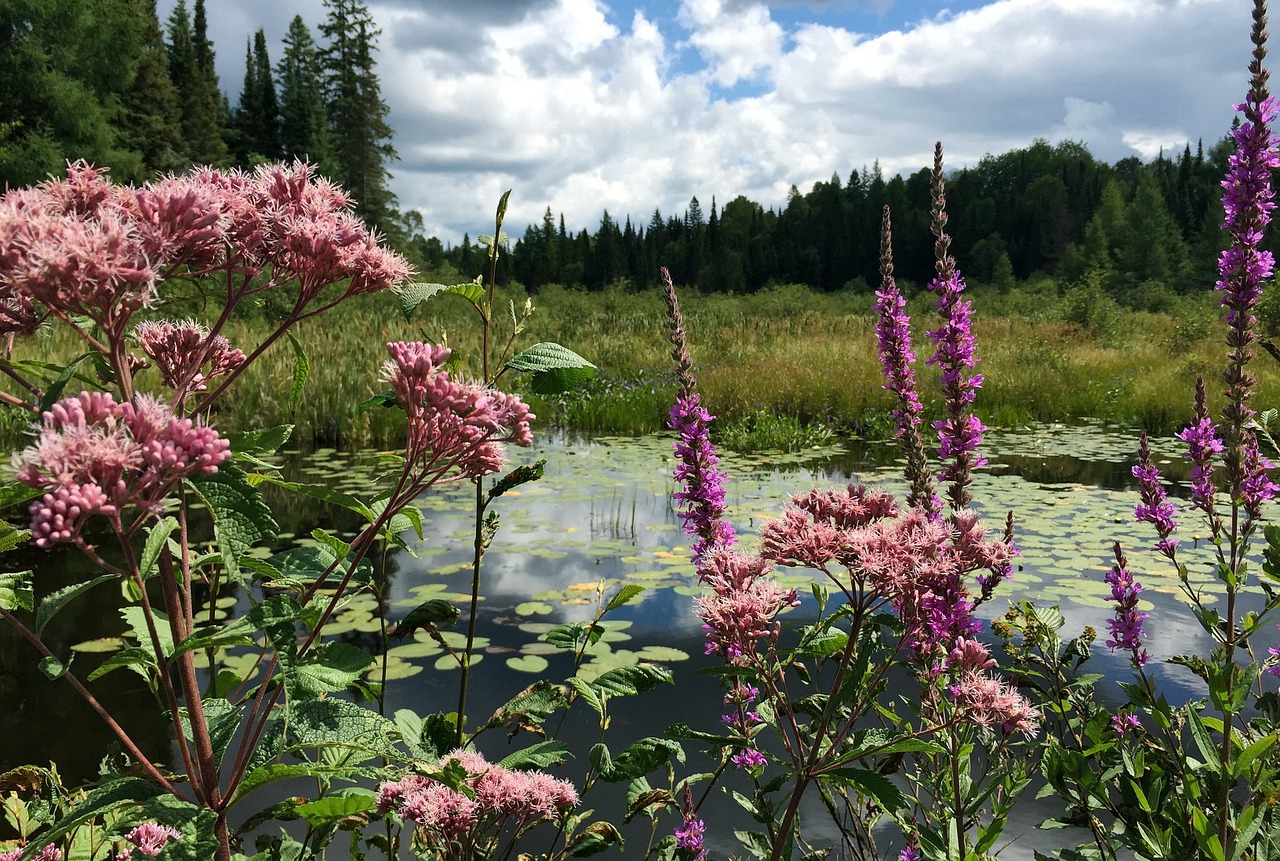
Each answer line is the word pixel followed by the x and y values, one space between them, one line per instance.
pixel 11 536
pixel 639 758
pixel 539 755
pixel 871 784
pixel 135 617
pixel 140 660
pixel 56 600
pixel 222 719
pixel 265 441
pixel 555 368
pixel 624 596
pixel 335 723
pixel 128 791
pixel 265 775
pixel 17 493
pixel 629 681
pixel 429 614
pixel 596 837
pixel 238 633
pixel 16 591
pixel 329 669
pixel 240 516
pixel 413 295
pixel 333 808
pixel 156 537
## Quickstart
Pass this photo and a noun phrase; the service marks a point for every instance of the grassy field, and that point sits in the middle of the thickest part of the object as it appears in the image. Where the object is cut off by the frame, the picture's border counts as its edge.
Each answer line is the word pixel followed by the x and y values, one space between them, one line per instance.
pixel 785 353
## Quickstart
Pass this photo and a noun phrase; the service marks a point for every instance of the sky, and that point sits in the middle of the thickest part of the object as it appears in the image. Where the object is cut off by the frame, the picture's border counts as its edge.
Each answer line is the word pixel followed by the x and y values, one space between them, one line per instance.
pixel 635 105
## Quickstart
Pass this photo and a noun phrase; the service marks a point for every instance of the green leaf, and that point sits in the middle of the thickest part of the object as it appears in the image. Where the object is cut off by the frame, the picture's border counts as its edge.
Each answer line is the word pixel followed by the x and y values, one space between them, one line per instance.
pixel 52 668
pixel 221 717
pixel 629 681
pixel 539 755
pixel 301 370
pixel 329 669
pixel 135 617
pixel 624 596
pixel 429 614
pixel 518 476
pixel 17 493
pixel 871 784
pixel 588 693
pixel 1200 734
pixel 502 209
pixel 56 600
pixel 16 591
pixel 140 660
pixel 265 441
pixel 335 723
pixel 639 758
pixel 11 536
pixel 240 517
pixel 333 808
pixel 277 617
pixel 1251 753
pixel 238 633
pixel 127 791
pixel 325 494
pixel 54 393
pixel 555 368
pixel 596 837
pixel 413 295
pixel 270 773
pixel 156 537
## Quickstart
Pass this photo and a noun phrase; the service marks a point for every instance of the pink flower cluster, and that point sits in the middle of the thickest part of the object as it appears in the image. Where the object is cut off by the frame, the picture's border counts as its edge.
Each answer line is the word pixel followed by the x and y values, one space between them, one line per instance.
pixel 452 423
pixel 499 798
pixel 82 245
pixel 148 839
pixel 986 701
pixel 48 853
pixel 94 456
pixel 182 350
pixel 740 609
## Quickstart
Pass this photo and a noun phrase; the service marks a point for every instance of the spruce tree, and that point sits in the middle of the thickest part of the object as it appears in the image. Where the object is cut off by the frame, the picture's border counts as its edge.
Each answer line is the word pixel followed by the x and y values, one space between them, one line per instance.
pixel 257 119
pixel 304 128
pixel 357 113
pixel 151 117
pixel 192 73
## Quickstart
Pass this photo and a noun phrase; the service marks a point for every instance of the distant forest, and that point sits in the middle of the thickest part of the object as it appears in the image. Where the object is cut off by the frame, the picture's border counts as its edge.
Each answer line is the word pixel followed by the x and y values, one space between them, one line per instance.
pixel 108 82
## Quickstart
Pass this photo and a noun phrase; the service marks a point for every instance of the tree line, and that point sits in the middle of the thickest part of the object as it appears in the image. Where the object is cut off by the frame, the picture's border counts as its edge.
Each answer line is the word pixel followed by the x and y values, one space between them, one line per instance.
pixel 103 81
pixel 1143 232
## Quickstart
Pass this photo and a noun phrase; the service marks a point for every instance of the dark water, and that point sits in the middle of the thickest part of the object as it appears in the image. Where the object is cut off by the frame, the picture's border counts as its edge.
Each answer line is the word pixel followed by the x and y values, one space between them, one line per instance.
pixel 602 512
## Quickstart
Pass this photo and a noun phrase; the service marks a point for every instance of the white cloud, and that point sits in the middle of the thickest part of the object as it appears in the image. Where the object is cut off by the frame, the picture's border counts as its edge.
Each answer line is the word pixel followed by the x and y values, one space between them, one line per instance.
pixel 579 109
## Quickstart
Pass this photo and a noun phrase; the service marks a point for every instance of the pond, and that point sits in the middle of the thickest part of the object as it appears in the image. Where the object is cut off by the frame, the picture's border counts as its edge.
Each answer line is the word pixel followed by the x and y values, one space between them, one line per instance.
pixel 602 512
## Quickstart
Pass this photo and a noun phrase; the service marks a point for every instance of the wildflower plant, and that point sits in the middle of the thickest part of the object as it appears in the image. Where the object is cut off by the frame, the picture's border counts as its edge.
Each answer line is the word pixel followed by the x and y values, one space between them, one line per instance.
pixel 122 469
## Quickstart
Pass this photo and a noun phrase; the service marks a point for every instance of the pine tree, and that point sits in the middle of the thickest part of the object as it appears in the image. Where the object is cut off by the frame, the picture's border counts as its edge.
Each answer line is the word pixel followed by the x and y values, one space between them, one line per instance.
pixel 361 136
pixel 304 128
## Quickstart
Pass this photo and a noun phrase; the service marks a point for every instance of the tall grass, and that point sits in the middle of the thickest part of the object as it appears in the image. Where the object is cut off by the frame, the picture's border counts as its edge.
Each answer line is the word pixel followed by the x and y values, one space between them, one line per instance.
pixel 787 351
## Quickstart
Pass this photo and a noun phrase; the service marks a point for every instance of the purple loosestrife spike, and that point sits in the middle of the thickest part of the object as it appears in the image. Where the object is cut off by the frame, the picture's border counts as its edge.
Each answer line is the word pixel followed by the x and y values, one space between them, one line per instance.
pixel 1126 624
pixel 893 335
pixel 1257 486
pixel 1155 507
pixel 705 514
pixel 691 832
pixel 1243 266
pixel 960 432
pixel 1203 443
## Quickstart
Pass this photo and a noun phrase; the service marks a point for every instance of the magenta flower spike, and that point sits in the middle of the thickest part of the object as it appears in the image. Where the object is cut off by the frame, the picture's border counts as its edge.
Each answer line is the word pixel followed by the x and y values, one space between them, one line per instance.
pixel 705 513
pixel 1126 623
pixel 1154 506
pixel 960 432
pixel 893 335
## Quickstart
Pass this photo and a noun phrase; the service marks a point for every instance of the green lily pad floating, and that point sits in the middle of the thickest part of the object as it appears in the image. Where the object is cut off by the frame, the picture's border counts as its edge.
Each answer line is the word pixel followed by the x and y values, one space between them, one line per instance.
pixel 416 650
pixel 448 662
pixel 396 669
pixel 527 663
pixel 535 628
pixel 533 608
pixel 662 654
pixel 100 645
pixel 537 647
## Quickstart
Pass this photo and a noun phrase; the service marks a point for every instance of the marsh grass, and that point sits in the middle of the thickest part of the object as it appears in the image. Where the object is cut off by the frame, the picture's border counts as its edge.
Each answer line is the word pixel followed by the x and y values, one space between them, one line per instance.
pixel 786 352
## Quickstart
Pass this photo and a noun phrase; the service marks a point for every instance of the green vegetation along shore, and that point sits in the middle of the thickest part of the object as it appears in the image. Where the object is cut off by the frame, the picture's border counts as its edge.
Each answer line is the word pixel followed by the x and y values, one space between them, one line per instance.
pixel 782 364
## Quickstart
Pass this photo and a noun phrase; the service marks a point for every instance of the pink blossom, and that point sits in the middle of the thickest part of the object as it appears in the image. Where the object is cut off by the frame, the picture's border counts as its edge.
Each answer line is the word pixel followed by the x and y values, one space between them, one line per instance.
pixel 986 701
pixel 150 838
pixel 180 350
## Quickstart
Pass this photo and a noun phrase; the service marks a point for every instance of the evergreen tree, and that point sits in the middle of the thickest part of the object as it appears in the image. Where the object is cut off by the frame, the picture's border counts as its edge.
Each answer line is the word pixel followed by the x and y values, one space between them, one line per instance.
pixel 151 117
pixel 192 73
pixel 258 117
pixel 361 136
pixel 304 128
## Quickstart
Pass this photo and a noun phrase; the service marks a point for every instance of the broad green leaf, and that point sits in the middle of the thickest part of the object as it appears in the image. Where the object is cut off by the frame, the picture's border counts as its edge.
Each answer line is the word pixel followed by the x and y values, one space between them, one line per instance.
pixel 11 536
pixel 112 795
pixel 596 837
pixel 333 808
pixel 539 755
pixel 335 723
pixel 266 441
pixel 629 681
pixel 871 784
pixel 1201 737
pixel 413 295
pixel 56 600
pixel 275 771
pixel 138 659
pixel 135 617
pixel 196 824
pixel 53 668
pixel 54 393
pixel 16 592
pixel 331 668
pixel 238 633
pixel 222 718
pixel 336 545
pixel 624 596
pixel 156 537
pixel 277 617
pixel 1251 753
pixel 301 370
pixel 593 698
pixel 240 517
pixel 17 493
pixel 429 614
pixel 555 368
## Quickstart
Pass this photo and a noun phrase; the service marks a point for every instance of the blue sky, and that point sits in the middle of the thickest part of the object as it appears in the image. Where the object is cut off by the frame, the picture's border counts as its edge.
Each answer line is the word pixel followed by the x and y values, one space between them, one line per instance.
pixel 632 105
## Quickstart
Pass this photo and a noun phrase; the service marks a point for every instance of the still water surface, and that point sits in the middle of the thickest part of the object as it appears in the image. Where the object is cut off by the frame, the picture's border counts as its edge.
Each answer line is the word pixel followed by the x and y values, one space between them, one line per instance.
pixel 602 511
